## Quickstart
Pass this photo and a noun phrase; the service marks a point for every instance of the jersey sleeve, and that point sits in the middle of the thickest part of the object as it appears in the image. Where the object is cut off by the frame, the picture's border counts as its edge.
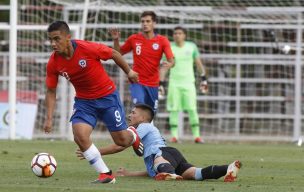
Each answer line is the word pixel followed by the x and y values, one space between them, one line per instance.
pixel 196 53
pixel 167 49
pixel 104 52
pixel 127 46
pixel 142 130
pixel 51 75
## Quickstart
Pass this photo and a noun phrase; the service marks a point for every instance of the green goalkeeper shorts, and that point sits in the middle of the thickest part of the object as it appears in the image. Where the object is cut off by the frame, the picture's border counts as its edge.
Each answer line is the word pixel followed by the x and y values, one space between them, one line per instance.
pixel 181 97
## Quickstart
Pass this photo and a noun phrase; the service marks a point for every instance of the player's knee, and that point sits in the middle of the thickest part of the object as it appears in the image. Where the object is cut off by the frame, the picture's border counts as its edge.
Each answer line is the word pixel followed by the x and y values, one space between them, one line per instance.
pixel 164 168
pixel 82 142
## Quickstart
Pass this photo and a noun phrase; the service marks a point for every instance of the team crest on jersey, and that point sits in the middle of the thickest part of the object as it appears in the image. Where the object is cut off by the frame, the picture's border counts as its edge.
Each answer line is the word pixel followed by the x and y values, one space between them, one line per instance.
pixel 155 46
pixel 82 63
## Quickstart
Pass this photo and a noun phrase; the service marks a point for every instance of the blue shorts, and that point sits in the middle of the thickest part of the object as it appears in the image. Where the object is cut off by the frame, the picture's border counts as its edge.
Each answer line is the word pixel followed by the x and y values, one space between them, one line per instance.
pixel 107 109
pixel 144 94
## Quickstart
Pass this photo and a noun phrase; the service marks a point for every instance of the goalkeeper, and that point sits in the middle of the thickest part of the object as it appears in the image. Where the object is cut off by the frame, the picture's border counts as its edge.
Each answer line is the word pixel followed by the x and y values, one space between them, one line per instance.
pixel 181 89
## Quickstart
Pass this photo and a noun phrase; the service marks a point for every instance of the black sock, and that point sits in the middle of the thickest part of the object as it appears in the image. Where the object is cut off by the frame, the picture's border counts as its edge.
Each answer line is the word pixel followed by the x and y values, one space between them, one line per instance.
pixel 165 167
pixel 214 171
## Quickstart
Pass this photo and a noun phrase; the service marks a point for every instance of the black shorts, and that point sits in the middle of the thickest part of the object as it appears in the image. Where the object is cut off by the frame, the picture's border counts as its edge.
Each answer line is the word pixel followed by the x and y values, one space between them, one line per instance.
pixel 176 159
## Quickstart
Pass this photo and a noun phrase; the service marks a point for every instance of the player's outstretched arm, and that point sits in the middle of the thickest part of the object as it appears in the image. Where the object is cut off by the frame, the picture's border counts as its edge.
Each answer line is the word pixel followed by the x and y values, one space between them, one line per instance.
pixel 124 172
pixel 115 34
pixel 50 101
pixel 110 149
pixel 119 60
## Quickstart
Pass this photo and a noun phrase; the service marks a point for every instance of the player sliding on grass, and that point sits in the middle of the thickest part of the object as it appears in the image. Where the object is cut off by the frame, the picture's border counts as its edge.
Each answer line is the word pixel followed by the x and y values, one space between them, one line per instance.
pixel 163 162
pixel 96 96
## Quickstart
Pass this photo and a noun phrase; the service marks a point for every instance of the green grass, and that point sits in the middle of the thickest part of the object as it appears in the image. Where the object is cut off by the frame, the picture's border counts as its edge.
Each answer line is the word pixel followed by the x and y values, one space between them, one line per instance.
pixel 266 167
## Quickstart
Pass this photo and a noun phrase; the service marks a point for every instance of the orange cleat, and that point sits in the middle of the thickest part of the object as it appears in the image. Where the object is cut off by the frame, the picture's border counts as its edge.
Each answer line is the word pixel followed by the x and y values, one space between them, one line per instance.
pixel 199 140
pixel 167 177
pixel 173 140
pixel 232 171
pixel 105 178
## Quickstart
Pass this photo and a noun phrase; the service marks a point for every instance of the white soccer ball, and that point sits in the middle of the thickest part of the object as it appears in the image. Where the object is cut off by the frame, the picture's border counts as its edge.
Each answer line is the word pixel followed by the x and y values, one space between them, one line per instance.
pixel 43 165
pixel 286 49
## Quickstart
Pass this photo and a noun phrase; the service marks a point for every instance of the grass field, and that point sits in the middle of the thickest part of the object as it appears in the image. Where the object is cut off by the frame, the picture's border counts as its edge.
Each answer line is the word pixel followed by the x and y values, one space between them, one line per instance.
pixel 266 167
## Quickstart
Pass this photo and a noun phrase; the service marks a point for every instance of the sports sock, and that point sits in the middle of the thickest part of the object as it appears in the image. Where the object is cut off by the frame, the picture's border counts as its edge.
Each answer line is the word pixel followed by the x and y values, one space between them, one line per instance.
pixel 194 121
pixel 173 121
pixel 92 154
pixel 164 168
pixel 214 172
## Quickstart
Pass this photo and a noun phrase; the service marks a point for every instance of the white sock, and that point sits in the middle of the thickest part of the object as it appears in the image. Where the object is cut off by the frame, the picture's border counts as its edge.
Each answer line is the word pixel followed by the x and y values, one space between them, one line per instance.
pixel 92 154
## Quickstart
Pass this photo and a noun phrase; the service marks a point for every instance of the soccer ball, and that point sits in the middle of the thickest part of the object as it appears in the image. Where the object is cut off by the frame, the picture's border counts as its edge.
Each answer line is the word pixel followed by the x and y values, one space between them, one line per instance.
pixel 43 165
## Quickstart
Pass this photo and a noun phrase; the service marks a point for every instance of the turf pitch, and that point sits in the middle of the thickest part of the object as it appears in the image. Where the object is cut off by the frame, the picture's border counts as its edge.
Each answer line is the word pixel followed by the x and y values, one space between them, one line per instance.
pixel 266 167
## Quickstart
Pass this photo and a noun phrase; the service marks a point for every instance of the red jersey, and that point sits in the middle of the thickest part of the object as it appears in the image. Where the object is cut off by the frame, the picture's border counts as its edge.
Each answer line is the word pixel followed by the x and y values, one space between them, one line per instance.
pixel 84 70
pixel 147 54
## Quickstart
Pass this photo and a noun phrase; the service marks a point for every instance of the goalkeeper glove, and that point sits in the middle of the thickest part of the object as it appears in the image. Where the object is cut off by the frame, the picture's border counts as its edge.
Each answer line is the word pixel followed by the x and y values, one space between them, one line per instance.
pixel 204 84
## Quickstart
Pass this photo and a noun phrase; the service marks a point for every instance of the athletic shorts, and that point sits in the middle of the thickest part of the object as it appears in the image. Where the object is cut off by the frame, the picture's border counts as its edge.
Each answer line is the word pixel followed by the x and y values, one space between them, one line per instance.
pixel 176 159
pixel 107 109
pixel 149 163
pixel 144 94
pixel 181 97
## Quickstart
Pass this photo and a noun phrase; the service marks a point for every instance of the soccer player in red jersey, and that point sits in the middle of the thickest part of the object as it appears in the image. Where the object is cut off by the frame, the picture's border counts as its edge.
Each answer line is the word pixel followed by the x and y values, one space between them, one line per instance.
pixel 148 48
pixel 96 96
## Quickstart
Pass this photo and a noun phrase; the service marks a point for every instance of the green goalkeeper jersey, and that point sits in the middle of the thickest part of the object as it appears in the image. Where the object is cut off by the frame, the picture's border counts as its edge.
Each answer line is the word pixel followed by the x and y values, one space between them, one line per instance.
pixel 183 70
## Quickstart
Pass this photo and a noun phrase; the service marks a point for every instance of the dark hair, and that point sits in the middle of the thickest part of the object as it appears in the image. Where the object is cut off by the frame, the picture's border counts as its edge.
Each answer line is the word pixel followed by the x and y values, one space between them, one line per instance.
pixel 180 28
pixel 146 108
pixel 59 26
pixel 149 13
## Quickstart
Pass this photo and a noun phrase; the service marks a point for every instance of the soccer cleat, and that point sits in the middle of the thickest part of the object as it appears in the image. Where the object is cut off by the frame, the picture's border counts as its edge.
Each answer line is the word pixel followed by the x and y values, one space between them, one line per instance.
pixel 199 140
pixel 167 177
pixel 138 146
pixel 173 140
pixel 105 178
pixel 232 171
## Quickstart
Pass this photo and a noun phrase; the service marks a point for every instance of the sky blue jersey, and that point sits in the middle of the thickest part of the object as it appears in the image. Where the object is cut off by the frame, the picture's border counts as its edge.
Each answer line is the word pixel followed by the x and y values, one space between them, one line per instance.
pixel 152 140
